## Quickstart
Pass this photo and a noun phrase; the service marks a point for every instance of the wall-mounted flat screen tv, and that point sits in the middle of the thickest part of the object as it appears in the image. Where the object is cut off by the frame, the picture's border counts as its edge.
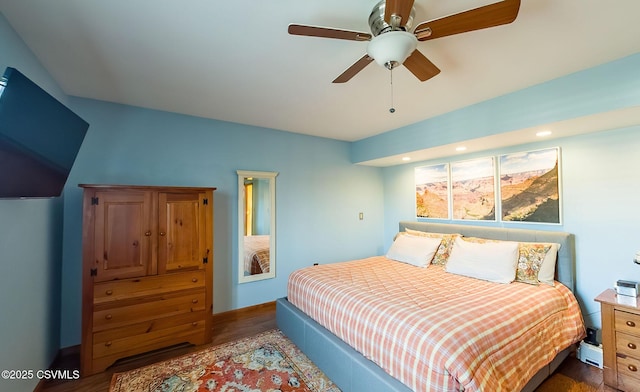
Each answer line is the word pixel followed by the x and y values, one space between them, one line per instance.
pixel 39 139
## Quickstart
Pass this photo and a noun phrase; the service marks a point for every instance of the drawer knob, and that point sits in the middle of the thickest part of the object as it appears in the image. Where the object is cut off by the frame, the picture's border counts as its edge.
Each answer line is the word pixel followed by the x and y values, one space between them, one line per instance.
pixel 108 292
pixel 194 301
pixel 108 344
pixel 147 233
pixel 194 280
pixel 162 233
pixel 108 317
pixel 631 324
pixel 631 346
pixel 194 324
pixel 632 368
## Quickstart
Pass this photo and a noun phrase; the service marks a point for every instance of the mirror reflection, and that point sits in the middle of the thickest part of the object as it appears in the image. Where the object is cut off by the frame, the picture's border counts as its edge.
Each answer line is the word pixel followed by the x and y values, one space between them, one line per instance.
pixel 256 223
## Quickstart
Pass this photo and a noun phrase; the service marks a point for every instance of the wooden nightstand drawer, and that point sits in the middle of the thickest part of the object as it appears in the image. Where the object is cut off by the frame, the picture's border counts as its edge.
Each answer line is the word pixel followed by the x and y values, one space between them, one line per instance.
pixel 628 344
pixel 628 366
pixel 627 322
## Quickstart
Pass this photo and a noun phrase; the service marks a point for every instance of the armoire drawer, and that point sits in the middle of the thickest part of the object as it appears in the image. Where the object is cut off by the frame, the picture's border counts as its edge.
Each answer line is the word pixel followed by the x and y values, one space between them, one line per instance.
pixel 148 335
pixel 155 307
pixel 118 290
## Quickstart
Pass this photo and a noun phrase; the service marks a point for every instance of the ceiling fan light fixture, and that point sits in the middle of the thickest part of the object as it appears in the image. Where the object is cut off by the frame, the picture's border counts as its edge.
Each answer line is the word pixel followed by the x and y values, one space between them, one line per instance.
pixel 392 48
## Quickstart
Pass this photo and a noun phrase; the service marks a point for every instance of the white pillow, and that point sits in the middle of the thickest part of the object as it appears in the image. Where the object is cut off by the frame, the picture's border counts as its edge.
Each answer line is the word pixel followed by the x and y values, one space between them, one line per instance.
pixel 415 250
pixel 493 261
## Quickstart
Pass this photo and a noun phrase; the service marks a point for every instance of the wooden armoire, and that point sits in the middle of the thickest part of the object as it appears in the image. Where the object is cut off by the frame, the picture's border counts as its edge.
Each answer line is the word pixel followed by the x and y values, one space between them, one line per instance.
pixel 147 270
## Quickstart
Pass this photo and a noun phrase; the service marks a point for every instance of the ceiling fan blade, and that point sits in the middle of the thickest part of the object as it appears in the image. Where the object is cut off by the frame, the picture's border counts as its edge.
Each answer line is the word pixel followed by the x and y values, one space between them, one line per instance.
pixel 420 66
pixel 491 15
pixel 401 8
pixel 354 69
pixel 325 32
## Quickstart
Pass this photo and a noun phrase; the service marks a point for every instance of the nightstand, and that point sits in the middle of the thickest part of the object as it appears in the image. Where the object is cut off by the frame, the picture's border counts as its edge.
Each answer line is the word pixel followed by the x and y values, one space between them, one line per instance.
pixel 620 340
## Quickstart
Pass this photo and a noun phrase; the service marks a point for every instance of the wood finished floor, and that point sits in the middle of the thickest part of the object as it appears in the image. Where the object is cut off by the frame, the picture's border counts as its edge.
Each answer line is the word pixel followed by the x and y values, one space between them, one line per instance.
pixel 236 325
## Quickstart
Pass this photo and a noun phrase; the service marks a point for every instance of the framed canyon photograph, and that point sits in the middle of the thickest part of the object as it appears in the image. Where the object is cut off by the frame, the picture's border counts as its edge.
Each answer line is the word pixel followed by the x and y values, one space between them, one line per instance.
pixel 432 191
pixel 473 185
pixel 530 186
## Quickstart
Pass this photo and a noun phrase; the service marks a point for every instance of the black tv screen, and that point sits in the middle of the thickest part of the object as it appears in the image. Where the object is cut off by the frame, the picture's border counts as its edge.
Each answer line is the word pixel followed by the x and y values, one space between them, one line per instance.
pixel 39 139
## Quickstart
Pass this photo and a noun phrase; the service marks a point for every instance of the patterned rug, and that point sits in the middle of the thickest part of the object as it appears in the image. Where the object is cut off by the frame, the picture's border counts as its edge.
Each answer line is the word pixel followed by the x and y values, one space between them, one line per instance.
pixel 266 362
pixel 561 383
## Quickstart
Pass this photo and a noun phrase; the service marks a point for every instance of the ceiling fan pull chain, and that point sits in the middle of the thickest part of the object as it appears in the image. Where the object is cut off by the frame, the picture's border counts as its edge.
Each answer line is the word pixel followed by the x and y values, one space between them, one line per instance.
pixel 391 109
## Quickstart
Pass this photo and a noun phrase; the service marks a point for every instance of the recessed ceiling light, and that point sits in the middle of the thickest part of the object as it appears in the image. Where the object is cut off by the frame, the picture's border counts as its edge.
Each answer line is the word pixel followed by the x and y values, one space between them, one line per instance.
pixel 543 133
pixel 461 148
pixel 406 159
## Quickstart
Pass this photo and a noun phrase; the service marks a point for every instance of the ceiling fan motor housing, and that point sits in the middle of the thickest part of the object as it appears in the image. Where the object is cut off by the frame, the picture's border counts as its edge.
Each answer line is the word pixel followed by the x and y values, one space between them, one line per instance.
pixel 379 26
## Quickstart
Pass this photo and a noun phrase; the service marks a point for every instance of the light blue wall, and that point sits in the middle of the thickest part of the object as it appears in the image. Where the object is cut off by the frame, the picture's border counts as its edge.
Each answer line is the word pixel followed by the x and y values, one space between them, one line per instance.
pixel 319 193
pixel 30 253
pixel 599 177
pixel 30 249
pixel 611 86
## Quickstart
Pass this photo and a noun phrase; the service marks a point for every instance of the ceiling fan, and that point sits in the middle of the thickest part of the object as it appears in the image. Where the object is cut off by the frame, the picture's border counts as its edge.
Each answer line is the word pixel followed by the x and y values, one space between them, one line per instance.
pixel 391 43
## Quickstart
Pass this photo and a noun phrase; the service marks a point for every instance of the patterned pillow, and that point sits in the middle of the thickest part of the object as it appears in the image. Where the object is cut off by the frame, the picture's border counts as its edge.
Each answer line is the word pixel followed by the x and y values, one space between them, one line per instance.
pixel 530 259
pixel 547 271
pixel 442 254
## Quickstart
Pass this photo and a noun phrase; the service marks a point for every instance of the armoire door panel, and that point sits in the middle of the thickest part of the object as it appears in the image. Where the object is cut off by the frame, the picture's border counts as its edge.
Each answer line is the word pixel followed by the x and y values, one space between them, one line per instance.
pixel 123 236
pixel 179 240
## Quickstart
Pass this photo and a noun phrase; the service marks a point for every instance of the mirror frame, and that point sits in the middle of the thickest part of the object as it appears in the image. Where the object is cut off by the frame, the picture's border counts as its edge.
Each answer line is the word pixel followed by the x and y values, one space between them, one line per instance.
pixel 242 176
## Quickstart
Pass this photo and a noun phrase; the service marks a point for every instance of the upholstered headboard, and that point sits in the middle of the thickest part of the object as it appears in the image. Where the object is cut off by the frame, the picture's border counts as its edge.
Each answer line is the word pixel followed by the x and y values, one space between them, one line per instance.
pixel 565 266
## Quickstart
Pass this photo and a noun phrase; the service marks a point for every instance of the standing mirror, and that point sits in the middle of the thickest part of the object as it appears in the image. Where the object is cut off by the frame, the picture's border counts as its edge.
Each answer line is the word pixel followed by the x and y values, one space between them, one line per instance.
pixel 256 225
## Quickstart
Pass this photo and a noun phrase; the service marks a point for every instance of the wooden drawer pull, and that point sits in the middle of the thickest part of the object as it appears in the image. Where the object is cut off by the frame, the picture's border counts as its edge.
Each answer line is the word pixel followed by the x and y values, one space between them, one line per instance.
pixel 108 344
pixel 147 233
pixel 194 324
pixel 631 346
pixel 194 280
pixel 194 301
pixel 108 317
pixel 631 324
pixel 108 292
pixel 632 368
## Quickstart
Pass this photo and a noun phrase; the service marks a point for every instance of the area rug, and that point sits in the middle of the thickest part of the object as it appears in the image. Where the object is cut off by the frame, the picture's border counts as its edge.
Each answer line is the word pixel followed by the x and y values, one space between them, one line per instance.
pixel 561 383
pixel 265 362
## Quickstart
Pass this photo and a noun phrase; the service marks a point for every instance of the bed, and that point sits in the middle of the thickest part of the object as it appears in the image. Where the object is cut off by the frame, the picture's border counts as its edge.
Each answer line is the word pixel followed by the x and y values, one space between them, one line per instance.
pixel 256 254
pixel 475 348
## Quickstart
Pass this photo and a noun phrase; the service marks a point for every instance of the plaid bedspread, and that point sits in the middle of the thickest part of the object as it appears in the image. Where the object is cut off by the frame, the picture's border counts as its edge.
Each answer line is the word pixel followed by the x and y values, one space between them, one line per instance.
pixel 436 331
pixel 256 254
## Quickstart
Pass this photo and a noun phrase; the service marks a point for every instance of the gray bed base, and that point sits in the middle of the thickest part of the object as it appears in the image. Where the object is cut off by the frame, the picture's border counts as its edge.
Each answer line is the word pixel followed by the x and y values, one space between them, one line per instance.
pixel 352 372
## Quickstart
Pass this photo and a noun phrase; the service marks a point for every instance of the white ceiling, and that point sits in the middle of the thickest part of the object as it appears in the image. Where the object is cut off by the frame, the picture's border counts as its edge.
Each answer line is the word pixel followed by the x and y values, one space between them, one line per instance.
pixel 234 61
